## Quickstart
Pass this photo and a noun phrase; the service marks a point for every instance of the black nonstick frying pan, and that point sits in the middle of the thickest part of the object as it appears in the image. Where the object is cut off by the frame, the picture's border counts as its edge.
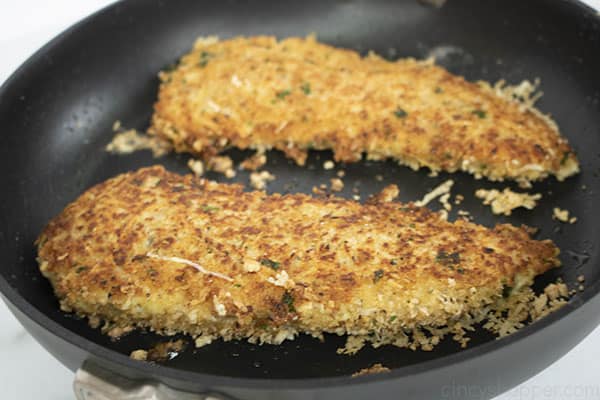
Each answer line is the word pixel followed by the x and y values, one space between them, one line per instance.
pixel 56 114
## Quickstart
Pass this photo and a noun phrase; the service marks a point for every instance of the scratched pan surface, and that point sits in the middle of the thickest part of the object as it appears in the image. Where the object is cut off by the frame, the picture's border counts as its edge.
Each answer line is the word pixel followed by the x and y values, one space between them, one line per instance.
pixel 56 114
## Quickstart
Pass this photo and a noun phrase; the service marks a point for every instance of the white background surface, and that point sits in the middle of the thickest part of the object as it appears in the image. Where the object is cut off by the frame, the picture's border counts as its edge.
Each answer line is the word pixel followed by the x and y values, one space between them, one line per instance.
pixel 28 372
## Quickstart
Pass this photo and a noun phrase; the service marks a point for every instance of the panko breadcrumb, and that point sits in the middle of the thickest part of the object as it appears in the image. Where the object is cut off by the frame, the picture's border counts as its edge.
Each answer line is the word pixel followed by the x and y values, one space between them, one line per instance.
pixel 222 165
pixel 444 201
pixel 197 166
pixel 298 94
pixel 337 185
pixel 171 253
pixel 140 355
pixel 387 194
pixel 464 214
pixel 373 369
pixel 443 189
pixel 160 352
pixel 505 201
pixel 516 309
pixel 318 191
pixel 327 165
pixel 131 140
pixel 254 162
pixel 259 180
pixel 563 216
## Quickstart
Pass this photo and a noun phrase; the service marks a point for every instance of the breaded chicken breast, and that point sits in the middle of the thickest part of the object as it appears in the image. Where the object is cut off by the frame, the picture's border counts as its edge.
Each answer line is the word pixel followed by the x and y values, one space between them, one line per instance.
pixel 297 94
pixel 176 253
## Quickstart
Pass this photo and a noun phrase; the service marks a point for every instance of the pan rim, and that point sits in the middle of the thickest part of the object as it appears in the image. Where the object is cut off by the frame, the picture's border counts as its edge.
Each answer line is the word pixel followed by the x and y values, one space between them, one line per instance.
pixel 11 295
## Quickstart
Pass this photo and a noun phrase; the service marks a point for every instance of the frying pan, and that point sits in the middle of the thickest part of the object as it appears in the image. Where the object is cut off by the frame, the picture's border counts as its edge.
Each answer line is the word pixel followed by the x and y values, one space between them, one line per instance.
pixel 56 114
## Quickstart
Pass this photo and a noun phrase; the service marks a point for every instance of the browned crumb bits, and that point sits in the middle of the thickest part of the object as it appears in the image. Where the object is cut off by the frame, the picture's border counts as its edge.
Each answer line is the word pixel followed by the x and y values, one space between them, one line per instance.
pixel 387 194
pixel 556 290
pixel 337 185
pixel 140 355
pixel 259 180
pixel 328 165
pixel 444 201
pixel 438 191
pixel 196 166
pixel 563 216
pixel 254 162
pixel 131 140
pixel 373 369
pixel 318 191
pixel 464 214
pixel 222 165
pixel 505 201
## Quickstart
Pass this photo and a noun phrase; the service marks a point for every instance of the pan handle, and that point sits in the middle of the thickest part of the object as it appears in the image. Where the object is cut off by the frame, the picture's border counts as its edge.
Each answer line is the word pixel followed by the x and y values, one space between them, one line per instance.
pixel 92 383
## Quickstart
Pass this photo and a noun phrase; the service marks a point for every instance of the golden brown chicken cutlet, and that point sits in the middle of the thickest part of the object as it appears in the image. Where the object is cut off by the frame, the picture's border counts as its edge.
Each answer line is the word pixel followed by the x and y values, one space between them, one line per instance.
pixel 297 94
pixel 177 253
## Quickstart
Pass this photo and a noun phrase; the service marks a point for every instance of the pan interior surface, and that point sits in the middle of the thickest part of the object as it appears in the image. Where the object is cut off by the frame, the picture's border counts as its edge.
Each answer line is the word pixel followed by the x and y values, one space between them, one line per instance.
pixel 57 111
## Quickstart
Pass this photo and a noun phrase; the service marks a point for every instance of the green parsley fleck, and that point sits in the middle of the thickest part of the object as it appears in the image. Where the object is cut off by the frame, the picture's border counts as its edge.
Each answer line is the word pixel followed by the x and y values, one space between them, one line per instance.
pixel 270 263
pixel 80 269
pixel 238 285
pixel 282 94
pixel 565 157
pixel 400 113
pixel 393 318
pixel 288 300
pixel 438 90
pixel 480 113
pixel 305 88
pixel 170 67
pixel 411 226
pixel 205 56
pixel 377 275
pixel 208 208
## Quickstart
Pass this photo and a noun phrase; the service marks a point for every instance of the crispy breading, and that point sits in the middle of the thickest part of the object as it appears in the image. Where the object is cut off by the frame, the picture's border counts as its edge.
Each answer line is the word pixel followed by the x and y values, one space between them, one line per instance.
pixel 297 94
pixel 177 253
